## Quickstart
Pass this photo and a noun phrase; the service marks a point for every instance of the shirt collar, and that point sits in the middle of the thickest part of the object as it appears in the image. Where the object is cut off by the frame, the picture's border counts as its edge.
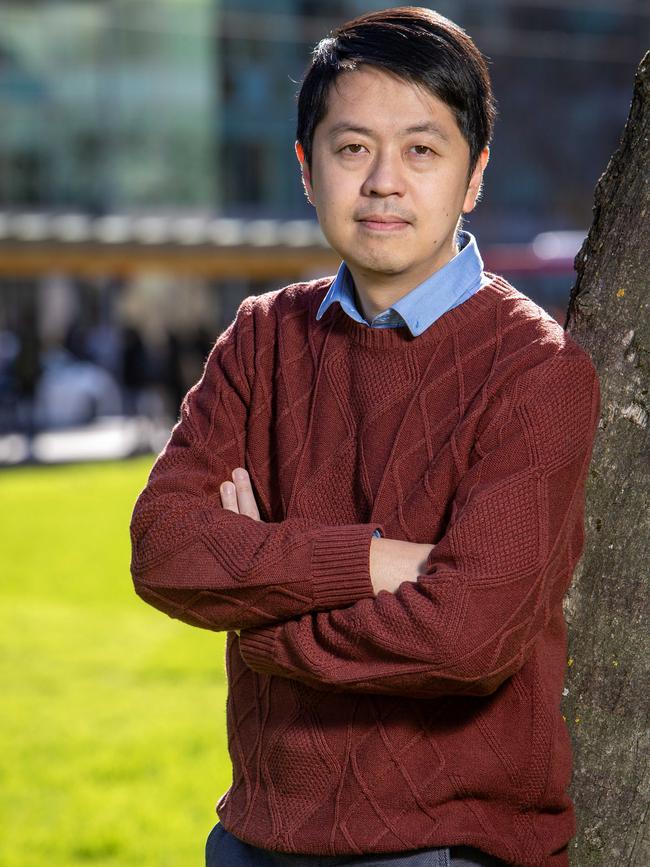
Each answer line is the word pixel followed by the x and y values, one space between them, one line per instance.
pixel 420 307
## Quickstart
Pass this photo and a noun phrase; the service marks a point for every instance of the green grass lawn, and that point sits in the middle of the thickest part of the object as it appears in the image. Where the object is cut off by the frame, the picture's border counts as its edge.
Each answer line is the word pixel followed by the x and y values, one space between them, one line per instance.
pixel 113 716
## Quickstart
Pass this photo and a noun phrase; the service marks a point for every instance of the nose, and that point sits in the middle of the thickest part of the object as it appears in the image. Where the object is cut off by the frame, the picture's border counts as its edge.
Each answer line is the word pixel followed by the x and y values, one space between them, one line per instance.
pixel 385 175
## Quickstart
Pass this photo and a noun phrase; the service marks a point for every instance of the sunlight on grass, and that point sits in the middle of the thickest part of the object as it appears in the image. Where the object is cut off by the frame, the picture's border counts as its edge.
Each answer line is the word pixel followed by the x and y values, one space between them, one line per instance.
pixel 113 721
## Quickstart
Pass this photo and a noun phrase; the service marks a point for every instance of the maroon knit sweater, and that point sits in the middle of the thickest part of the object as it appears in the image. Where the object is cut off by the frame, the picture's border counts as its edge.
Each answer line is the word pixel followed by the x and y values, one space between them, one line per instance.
pixel 428 717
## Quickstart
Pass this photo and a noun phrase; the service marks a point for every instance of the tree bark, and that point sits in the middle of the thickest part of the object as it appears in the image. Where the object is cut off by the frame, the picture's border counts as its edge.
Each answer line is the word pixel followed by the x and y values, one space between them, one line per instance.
pixel 607 704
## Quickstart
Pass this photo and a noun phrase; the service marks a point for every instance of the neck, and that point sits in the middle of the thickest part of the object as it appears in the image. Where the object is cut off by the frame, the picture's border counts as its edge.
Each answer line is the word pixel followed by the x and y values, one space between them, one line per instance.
pixel 376 292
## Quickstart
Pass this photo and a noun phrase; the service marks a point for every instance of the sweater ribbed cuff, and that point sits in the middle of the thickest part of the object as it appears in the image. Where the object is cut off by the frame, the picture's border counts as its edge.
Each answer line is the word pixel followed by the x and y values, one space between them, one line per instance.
pixel 256 648
pixel 340 573
pixel 340 565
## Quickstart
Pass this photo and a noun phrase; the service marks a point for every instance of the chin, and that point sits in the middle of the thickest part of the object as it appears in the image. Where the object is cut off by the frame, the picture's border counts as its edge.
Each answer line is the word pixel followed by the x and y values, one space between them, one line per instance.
pixel 389 268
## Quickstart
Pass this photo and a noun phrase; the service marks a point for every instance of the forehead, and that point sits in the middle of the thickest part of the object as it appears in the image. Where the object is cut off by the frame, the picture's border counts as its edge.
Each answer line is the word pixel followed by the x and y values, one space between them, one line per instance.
pixel 376 99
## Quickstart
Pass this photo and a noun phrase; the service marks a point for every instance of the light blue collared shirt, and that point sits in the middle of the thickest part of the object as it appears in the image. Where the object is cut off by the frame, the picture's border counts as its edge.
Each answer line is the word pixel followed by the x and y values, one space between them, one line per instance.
pixel 454 283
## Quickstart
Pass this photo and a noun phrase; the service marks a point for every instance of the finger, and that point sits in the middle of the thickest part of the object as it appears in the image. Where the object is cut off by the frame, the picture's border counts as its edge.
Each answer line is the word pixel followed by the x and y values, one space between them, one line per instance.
pixel 228 494
pixel 245 496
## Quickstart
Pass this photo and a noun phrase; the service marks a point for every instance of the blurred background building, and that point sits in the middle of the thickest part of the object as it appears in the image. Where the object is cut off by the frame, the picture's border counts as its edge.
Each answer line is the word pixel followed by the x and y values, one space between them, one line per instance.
pixel 148 183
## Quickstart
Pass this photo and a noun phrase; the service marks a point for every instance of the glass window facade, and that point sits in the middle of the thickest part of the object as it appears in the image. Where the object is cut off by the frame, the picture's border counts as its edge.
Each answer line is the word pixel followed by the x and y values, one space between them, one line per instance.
pixel 107 104
pixel 155 105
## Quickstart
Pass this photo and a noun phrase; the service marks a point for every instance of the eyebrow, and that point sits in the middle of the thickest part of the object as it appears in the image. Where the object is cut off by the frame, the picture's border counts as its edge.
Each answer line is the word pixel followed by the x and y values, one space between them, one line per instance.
pixel 429 127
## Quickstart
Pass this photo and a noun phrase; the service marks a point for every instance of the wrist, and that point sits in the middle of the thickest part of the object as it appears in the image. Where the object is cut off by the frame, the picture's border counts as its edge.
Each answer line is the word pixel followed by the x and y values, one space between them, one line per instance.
pixel 394 561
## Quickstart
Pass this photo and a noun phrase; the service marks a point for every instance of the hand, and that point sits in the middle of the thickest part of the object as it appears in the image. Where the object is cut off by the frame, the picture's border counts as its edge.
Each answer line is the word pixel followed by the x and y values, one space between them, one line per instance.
pixel 237 496
pixel 393 561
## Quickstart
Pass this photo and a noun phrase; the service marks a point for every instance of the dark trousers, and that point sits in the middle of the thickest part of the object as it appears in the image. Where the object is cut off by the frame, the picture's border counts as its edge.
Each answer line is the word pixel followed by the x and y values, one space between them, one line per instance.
pixel 224 850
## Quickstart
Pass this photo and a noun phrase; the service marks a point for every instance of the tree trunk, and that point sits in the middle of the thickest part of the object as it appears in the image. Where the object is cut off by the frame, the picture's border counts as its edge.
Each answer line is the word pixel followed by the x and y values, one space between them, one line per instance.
pixel 608 688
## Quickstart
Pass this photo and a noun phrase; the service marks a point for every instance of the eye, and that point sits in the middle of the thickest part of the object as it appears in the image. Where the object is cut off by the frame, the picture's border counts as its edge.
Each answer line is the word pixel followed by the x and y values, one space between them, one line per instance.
pixel 422 150
pixel 352 149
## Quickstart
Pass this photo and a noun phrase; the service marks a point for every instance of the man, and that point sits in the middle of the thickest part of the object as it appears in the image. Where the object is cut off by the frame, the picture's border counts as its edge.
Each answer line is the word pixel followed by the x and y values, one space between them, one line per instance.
pixel 377 488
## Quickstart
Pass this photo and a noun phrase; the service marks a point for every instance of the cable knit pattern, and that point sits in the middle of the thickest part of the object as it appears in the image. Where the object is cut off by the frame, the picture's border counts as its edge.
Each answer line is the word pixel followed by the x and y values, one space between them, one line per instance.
pixel 428 717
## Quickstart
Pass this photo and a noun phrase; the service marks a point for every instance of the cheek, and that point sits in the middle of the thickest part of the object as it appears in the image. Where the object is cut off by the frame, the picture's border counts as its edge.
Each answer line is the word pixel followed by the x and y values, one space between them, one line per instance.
pixel 444 198
pixel 335 195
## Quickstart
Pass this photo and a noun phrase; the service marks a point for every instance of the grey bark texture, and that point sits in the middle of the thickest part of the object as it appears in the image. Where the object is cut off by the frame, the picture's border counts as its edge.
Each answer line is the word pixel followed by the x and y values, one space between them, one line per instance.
pixel 608 701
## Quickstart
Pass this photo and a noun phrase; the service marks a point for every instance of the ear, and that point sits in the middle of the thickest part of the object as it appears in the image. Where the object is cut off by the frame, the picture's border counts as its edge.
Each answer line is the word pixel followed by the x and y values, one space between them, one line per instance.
pixel 474 188
pixel 304 170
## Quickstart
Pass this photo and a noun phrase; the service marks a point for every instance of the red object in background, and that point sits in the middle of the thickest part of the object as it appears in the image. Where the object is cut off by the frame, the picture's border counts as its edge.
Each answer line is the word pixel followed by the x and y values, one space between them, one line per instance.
pixel 543 269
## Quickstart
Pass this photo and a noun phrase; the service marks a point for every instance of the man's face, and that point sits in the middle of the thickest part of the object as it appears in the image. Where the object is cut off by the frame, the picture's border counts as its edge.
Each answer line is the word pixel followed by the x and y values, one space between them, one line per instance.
pixel 389 178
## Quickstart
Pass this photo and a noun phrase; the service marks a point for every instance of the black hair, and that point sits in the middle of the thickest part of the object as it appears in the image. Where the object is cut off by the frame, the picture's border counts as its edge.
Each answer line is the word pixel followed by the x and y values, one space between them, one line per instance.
pixel 415 44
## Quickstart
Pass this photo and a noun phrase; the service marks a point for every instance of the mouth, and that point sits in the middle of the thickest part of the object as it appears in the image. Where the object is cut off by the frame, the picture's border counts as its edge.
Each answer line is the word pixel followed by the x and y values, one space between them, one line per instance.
pixel 383 223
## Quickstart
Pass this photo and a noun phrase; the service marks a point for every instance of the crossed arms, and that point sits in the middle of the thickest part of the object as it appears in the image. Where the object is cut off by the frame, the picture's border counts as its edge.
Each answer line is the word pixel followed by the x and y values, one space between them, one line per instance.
pixel 392 561
pixel 306 598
